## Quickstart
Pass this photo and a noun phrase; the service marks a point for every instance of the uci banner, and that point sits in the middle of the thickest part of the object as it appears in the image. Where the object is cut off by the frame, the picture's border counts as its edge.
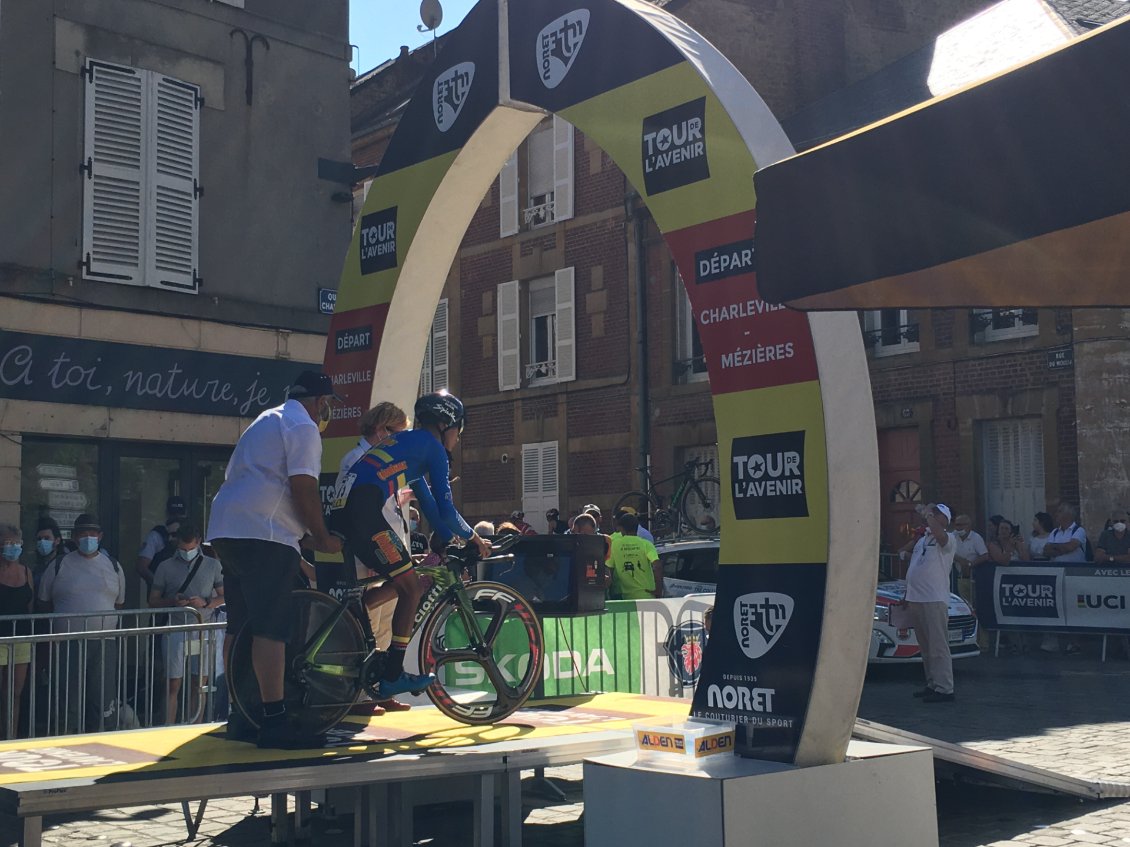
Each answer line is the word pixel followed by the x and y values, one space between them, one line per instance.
pixel 800 506
pixel 1043 597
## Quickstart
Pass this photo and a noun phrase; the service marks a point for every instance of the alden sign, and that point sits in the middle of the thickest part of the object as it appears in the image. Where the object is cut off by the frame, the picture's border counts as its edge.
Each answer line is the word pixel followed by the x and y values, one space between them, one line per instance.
pixel 130 376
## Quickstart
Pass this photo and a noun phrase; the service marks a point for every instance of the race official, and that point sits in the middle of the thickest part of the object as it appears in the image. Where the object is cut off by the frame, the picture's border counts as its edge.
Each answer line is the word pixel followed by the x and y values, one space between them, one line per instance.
pixel 927 599
pixel 268 502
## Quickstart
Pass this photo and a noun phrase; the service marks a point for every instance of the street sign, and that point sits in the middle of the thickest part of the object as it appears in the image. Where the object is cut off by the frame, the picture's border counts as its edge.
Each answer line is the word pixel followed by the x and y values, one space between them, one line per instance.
pixel 65 471
pixel 65 519
pixel 67 500
pixel 1064 358
pixel 327 299
pixel 51 484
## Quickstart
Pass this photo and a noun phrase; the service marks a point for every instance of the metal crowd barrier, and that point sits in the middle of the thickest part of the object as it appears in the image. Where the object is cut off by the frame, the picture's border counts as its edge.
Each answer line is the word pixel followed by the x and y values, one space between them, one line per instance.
pixel 77 680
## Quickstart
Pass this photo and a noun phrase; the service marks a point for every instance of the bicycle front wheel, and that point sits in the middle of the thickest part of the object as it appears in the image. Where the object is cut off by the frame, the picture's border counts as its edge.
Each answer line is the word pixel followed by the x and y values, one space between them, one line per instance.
pixel 483 684
pixel 702 507
pixel 315 699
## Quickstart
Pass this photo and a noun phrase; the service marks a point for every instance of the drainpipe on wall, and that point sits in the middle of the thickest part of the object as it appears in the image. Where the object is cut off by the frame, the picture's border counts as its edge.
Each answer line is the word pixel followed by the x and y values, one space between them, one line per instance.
pixel 636 213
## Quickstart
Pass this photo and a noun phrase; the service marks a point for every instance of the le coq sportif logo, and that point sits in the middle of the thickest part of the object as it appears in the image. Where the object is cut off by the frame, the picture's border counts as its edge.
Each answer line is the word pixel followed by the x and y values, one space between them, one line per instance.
pixel 449 94
pixel 558 44
pixel 760 620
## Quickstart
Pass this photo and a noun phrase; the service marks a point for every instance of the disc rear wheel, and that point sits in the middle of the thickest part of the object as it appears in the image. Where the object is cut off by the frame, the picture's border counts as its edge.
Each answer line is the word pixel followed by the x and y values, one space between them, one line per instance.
pixel 316 699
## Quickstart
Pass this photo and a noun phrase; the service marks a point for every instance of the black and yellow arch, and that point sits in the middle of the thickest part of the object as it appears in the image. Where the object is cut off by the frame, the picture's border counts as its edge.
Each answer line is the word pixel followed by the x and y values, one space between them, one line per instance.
pixel 791 392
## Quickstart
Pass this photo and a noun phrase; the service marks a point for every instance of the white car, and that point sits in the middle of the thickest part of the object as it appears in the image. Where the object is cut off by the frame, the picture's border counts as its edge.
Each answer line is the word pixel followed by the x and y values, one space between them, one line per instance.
pixel 691 567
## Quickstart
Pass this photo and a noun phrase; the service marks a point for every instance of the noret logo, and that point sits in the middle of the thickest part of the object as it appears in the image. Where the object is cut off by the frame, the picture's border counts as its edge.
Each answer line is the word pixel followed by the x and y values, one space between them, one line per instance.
pixel 449 94
pixel 557 46
pixel 760 620
pixel 674 147
pixel 378 241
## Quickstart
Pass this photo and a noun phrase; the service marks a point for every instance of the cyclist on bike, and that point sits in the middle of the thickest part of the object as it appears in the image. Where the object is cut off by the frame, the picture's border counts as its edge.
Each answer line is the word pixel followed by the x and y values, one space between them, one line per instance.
pixel 366 512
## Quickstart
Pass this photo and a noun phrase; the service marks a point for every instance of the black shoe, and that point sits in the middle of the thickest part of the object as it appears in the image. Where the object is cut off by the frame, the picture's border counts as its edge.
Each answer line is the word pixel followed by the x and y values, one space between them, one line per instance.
pixel 923 692
pixel 937 697
pixel 284 736
pixel 240 729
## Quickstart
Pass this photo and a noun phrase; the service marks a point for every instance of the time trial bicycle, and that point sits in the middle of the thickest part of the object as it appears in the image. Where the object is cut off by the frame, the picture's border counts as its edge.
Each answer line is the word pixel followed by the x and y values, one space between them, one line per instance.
pixel 485 632
pixel 695 507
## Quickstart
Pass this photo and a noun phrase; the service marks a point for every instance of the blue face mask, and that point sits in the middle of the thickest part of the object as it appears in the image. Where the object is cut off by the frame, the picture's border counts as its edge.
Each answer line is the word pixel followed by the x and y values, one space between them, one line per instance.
pixel 88 544
pixel 414 524
pixel 12 552
pixel 45 546
pixel 187 555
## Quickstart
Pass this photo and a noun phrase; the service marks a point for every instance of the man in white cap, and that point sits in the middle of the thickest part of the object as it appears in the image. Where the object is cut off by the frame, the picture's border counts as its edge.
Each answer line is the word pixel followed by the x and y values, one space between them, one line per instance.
pixel 927 599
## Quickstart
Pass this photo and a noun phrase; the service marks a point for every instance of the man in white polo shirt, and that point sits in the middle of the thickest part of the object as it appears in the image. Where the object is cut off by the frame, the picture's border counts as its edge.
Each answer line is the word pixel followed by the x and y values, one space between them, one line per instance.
pixel 268 502
pixel 927 597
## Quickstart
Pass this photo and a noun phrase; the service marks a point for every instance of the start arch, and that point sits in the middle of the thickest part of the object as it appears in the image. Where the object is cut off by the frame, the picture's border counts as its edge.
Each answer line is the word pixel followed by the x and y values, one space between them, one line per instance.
pixel 791 392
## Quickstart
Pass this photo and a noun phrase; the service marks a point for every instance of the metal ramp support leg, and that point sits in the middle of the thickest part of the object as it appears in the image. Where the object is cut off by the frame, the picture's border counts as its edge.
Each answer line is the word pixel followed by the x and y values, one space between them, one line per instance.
pixel 544 786
pixel 511 803
pixel 192 822
pixel 302 816
pixel 32 832
pixel 280 829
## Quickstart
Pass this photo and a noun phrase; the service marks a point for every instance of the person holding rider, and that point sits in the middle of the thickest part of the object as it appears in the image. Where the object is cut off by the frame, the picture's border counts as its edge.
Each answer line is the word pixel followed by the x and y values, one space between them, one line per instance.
pixel 366 513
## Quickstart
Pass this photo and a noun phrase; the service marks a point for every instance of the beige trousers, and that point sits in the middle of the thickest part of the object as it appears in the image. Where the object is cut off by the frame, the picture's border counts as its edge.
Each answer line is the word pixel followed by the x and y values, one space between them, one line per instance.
pixel 932 631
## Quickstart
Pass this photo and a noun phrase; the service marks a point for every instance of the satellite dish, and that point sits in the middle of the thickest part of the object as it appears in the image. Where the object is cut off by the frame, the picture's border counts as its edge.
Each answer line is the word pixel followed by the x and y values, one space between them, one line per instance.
pixel 431 13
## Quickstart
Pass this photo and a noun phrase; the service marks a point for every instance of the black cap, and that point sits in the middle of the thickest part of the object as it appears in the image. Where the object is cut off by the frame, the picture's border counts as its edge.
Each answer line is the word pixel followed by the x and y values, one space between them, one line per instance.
pixel 312 384
pixel 175 506
pixel 87 521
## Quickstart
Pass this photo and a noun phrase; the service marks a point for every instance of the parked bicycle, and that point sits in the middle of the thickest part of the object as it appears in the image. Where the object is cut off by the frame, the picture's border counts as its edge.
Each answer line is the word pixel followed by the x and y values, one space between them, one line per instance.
pixel 694 507
pixel 485 635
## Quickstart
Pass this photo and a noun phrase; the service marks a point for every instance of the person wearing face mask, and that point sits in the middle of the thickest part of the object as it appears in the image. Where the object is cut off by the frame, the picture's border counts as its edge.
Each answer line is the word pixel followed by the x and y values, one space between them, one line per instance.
pixel 1114 543
pixel 16 596
pixel 86 580
pixel 49 547
pixel 268 502
pixel 187 579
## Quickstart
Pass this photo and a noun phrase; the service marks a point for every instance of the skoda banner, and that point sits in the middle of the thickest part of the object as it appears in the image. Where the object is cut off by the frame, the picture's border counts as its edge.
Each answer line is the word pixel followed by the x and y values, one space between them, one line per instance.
pixel 688 132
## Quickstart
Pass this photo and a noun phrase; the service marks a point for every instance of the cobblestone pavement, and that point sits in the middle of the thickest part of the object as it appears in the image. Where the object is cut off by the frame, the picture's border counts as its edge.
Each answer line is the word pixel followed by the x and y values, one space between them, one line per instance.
pixel 1065 713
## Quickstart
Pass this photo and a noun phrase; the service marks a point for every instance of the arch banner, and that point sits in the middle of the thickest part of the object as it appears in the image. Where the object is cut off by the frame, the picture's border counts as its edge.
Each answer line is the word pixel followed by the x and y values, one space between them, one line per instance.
pixel 799 516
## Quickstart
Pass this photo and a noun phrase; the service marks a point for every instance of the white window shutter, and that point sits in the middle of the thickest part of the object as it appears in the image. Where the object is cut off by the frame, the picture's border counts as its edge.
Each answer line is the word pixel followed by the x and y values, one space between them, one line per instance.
pixel 439 348
pixel 562 169
pixel 531 472
pixel 175 178
pixel 566 326
pixel 113 220
pixel 426 371
pixel 539 481
pixel 508 197
pixel 548 471
pixel 509 357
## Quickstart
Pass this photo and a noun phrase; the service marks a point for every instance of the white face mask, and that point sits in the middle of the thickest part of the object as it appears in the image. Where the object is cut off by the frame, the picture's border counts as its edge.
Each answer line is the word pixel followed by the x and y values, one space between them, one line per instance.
pixel 1119 527
pixel 963 533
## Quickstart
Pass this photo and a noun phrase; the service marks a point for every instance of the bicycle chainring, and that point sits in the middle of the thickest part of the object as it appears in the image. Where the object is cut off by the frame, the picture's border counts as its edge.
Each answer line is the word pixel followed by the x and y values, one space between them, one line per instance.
pixel 372 672
pixel 663 522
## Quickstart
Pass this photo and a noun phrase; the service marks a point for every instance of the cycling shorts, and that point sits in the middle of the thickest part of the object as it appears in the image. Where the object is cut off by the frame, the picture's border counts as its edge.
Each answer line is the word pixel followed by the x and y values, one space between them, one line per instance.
pixel 368 534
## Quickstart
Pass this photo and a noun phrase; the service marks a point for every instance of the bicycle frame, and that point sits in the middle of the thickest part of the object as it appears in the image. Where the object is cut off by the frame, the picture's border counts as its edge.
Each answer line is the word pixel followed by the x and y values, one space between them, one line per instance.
pixel 444 582
pixel 687 475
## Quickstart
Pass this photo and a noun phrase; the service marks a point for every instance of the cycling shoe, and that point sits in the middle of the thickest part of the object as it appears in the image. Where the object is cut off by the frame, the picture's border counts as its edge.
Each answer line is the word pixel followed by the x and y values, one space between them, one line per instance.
pixel 406 682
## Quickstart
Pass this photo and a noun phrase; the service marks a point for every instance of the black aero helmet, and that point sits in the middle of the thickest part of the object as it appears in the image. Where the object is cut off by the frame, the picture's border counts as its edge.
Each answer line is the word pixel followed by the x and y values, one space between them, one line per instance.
pixel 440 409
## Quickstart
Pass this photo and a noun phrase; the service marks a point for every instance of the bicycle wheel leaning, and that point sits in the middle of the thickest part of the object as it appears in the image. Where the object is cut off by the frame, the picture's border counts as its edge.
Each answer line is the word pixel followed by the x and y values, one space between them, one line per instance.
pixel 653 516
pixel 318 697
pixel 487 683
pixel 701 506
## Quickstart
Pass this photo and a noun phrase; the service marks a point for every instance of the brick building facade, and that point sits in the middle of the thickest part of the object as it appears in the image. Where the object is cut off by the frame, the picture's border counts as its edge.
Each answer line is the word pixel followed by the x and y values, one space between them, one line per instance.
pixel 980 410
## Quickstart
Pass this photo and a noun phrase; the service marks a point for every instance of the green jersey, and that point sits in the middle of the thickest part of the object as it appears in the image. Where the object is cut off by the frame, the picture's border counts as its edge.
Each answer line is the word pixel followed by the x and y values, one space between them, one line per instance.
pixel 632 574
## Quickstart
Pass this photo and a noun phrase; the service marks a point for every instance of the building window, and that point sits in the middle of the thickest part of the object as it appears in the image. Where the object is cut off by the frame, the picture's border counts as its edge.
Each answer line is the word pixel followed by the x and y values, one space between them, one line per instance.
pixel 142 178
pixel 1003 324
pixel 549 328
pixel 690 361
pixel 539 482
pixel 888 332
pixel 1012 450
pixel 434 373
pixel 536 183
pixel 59 479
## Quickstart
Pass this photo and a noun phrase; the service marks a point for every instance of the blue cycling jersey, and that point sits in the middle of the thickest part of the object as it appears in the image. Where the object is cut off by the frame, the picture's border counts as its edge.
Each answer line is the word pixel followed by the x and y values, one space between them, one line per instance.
pixel 413 458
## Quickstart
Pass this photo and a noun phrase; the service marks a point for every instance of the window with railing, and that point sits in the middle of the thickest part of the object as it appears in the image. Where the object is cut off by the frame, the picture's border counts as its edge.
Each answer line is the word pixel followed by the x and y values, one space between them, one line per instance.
pixel 1002 324
pixel 889 332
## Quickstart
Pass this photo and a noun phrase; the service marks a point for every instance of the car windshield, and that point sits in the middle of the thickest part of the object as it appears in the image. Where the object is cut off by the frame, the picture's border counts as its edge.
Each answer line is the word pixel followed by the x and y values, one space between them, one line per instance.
pixel 696 565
